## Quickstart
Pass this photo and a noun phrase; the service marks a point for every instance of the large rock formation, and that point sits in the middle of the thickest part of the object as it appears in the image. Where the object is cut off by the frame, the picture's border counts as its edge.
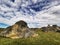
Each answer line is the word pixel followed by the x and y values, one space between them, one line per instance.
pixel 18 30
pixel 53 28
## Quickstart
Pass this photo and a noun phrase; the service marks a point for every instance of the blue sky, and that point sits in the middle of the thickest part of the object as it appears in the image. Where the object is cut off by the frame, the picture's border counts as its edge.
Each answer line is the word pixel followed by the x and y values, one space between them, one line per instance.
pixel 2 25
pixel 37 13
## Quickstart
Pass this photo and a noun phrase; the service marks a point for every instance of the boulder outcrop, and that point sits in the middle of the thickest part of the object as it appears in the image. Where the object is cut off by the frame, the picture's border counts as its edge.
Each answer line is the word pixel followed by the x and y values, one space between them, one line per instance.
pixel 18 30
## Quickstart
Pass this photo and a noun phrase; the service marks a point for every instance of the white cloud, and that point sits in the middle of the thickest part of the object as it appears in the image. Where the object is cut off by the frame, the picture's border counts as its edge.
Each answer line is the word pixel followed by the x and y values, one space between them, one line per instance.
pixel 50 15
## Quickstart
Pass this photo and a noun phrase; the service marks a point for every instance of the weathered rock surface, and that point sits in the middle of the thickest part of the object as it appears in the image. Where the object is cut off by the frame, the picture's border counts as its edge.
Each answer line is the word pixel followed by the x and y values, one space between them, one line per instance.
pixel 18 30
pixel 53 28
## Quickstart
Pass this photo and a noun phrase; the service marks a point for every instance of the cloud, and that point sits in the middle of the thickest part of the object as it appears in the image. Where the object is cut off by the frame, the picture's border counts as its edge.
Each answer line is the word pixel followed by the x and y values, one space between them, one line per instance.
pixel 50 16
pixel 11 12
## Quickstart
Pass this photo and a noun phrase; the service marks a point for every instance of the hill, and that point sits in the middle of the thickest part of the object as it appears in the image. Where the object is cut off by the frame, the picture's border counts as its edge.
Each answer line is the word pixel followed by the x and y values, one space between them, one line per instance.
pixel 44 38
pixel 18 30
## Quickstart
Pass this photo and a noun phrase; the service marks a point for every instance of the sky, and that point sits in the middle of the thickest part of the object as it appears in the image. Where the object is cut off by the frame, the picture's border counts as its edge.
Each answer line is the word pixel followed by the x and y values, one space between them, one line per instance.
pixel 37 13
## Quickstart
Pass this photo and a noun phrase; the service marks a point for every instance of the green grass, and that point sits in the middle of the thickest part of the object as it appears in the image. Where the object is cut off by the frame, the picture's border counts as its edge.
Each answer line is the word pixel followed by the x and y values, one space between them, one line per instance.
pixel 44 38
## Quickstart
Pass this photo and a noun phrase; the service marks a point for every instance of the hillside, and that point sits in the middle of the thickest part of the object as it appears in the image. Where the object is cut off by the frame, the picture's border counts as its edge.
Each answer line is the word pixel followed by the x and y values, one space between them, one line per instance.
pixel 19 30
pixel 21 34
pixel 44 38
pixel 1 29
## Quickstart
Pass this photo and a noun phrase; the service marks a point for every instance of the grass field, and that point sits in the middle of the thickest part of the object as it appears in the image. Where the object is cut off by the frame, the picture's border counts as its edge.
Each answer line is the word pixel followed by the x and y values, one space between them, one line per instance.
pixel 44 38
